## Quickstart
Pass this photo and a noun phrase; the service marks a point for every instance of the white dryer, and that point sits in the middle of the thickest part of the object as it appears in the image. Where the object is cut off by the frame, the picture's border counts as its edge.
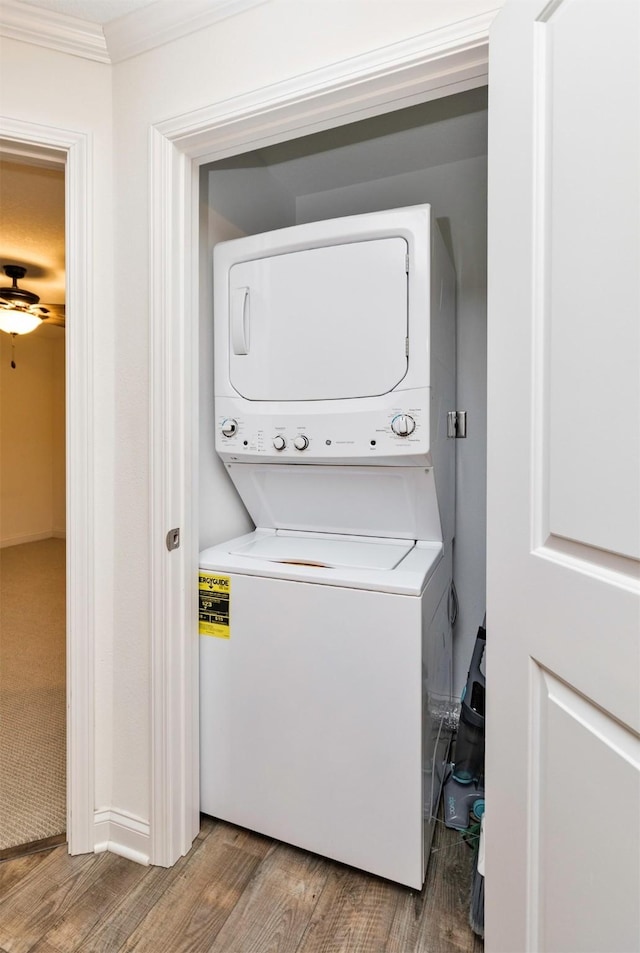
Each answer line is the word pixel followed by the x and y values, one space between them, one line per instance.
pixel 325 636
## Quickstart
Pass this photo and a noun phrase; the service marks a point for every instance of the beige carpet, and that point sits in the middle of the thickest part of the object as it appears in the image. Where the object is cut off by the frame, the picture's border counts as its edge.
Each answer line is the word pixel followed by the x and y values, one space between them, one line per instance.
pixel 32 692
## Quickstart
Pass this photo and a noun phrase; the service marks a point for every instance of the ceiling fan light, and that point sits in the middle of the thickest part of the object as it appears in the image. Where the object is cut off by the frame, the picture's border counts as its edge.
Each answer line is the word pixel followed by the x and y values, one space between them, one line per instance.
pixel 16 321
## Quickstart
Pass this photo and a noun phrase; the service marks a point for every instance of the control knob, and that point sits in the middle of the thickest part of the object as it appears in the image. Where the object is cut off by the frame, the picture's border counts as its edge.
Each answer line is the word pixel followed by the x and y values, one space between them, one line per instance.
pixel 279 442
pixel 301 442
pixel 229 427
pixel 403 425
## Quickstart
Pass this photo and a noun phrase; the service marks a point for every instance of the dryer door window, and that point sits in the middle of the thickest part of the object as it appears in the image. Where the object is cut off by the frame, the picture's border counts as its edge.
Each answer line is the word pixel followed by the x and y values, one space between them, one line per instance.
pixel 320 323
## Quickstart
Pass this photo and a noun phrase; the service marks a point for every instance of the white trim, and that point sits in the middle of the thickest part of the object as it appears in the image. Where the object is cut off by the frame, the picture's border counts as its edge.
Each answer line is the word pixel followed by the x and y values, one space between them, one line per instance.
pixel 80 499
pixel 79 462
pixel 121 38
pixel 54 31
pixel 30 155
pixel 429 66
pixel 30 538
pixel 164 21
pixel 122 834
pixel 439 63
pixel 174 812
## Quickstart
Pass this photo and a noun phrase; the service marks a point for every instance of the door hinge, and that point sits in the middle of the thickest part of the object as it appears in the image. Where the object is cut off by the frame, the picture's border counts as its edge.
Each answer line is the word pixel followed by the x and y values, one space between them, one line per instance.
pixel 457 423
pixel 173 539
pixel 406 263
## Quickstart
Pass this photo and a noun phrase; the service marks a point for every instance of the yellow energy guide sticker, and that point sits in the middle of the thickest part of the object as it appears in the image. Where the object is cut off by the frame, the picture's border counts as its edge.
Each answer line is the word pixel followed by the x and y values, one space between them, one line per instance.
pixel 215 596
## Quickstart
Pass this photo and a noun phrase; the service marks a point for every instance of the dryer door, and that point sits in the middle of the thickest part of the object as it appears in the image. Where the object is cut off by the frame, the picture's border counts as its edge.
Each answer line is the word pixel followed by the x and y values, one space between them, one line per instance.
pixel 320 323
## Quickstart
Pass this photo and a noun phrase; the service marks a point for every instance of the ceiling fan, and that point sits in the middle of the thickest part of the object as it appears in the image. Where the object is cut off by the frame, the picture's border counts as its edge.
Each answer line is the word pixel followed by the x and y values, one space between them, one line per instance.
pixel 20 311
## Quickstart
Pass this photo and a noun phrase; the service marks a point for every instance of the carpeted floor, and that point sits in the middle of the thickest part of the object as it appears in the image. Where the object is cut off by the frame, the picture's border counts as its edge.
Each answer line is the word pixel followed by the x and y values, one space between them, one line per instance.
pixel 32 692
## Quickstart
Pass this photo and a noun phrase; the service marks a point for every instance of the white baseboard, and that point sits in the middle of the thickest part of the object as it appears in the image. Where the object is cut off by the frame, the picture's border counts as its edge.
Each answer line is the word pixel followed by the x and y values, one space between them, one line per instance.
pixel 122 834
pixel 30 538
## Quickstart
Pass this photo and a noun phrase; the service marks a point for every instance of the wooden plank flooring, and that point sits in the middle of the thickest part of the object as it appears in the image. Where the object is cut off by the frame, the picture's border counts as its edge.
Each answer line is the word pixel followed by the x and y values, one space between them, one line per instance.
pixel 235 892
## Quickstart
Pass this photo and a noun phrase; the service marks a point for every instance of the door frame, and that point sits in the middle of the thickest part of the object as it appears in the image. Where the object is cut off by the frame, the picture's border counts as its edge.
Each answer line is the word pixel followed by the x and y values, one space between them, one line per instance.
pixel 73 148
pixel 429 66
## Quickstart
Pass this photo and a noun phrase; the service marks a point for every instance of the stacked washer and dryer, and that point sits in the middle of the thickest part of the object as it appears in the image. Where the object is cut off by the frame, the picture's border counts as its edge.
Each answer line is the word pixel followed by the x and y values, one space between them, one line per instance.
pixel 325 647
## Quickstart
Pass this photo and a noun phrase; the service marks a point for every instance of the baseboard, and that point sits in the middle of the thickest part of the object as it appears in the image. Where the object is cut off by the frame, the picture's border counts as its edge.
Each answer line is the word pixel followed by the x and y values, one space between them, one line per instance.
pixel 123 834
pixel 30 538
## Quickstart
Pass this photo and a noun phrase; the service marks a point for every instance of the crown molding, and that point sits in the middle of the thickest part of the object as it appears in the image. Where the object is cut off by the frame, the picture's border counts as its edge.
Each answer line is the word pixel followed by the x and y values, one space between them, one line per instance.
pixel 164 21
pixel 120 39
pixel 28 154
pixel 55 31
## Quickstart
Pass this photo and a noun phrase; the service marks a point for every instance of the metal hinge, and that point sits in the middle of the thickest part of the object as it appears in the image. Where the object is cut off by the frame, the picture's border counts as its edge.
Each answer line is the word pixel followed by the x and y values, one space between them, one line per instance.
pixel 457 423
pixel 406 263
pixel 173 539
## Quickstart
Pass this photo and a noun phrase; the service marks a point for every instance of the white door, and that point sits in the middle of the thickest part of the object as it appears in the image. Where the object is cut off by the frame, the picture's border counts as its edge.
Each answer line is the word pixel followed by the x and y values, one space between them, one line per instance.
pixel 563 613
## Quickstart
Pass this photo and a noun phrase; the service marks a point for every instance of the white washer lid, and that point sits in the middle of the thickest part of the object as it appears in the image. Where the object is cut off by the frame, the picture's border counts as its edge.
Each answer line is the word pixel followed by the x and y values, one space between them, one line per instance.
pixel 330 552
pixel 241 557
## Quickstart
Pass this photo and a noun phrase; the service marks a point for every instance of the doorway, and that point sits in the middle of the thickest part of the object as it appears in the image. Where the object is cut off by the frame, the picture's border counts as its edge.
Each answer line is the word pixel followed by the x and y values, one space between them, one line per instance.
pixel 442 63
pixel 433 153
pixel 33 511
pixel 25 140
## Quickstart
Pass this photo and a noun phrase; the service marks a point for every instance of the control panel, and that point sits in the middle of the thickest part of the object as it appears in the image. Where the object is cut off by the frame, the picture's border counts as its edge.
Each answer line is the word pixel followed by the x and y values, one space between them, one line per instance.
pixel 384 435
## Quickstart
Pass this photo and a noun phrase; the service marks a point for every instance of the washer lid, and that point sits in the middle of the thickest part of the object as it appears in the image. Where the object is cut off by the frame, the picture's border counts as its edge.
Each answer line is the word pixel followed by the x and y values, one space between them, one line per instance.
pixel 409 576
pixel 329 552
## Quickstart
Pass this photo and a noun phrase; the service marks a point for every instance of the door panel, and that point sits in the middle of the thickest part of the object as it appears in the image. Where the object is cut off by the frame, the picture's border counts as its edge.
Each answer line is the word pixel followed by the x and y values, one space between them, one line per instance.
pixel 588 173
pixel 579 838
pixel 563 603
pixel 322 323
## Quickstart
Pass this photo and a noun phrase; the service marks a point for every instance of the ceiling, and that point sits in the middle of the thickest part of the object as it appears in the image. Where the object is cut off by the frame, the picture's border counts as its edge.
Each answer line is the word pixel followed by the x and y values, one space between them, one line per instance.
pixel 32 208
pixel 96 11
pixel 436 133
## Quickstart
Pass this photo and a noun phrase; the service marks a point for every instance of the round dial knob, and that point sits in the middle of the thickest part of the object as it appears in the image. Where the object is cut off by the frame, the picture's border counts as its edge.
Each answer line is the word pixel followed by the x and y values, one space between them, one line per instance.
pixel 301 442
pixel 229 427
pixel 403 425
pixel 279 442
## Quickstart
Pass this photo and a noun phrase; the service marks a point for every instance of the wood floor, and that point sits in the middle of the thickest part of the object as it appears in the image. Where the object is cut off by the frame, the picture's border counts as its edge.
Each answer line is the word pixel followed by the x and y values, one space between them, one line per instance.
pixel 235 892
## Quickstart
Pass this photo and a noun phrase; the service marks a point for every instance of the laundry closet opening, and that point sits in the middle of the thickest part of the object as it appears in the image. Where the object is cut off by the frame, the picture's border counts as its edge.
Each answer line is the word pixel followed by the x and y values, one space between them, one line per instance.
pixel 434 153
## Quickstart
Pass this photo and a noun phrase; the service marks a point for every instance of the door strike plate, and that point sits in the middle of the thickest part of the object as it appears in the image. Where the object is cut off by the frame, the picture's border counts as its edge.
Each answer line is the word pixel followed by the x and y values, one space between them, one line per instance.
pixel 173 539
pixel 457 423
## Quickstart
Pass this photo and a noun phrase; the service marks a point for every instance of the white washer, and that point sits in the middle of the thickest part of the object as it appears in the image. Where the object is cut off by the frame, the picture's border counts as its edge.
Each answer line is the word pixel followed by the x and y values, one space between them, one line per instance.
pixel 325 635
pixel 322 699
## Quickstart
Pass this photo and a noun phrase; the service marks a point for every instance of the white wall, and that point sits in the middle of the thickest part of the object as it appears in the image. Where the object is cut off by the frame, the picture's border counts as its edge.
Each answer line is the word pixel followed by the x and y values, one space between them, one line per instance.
pixel 44 87
pixel 200 70
pixel 203 69
pixel 32 497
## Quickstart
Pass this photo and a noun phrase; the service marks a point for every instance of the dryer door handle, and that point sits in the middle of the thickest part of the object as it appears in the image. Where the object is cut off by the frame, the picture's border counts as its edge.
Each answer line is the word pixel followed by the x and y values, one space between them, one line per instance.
pixel 240 316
